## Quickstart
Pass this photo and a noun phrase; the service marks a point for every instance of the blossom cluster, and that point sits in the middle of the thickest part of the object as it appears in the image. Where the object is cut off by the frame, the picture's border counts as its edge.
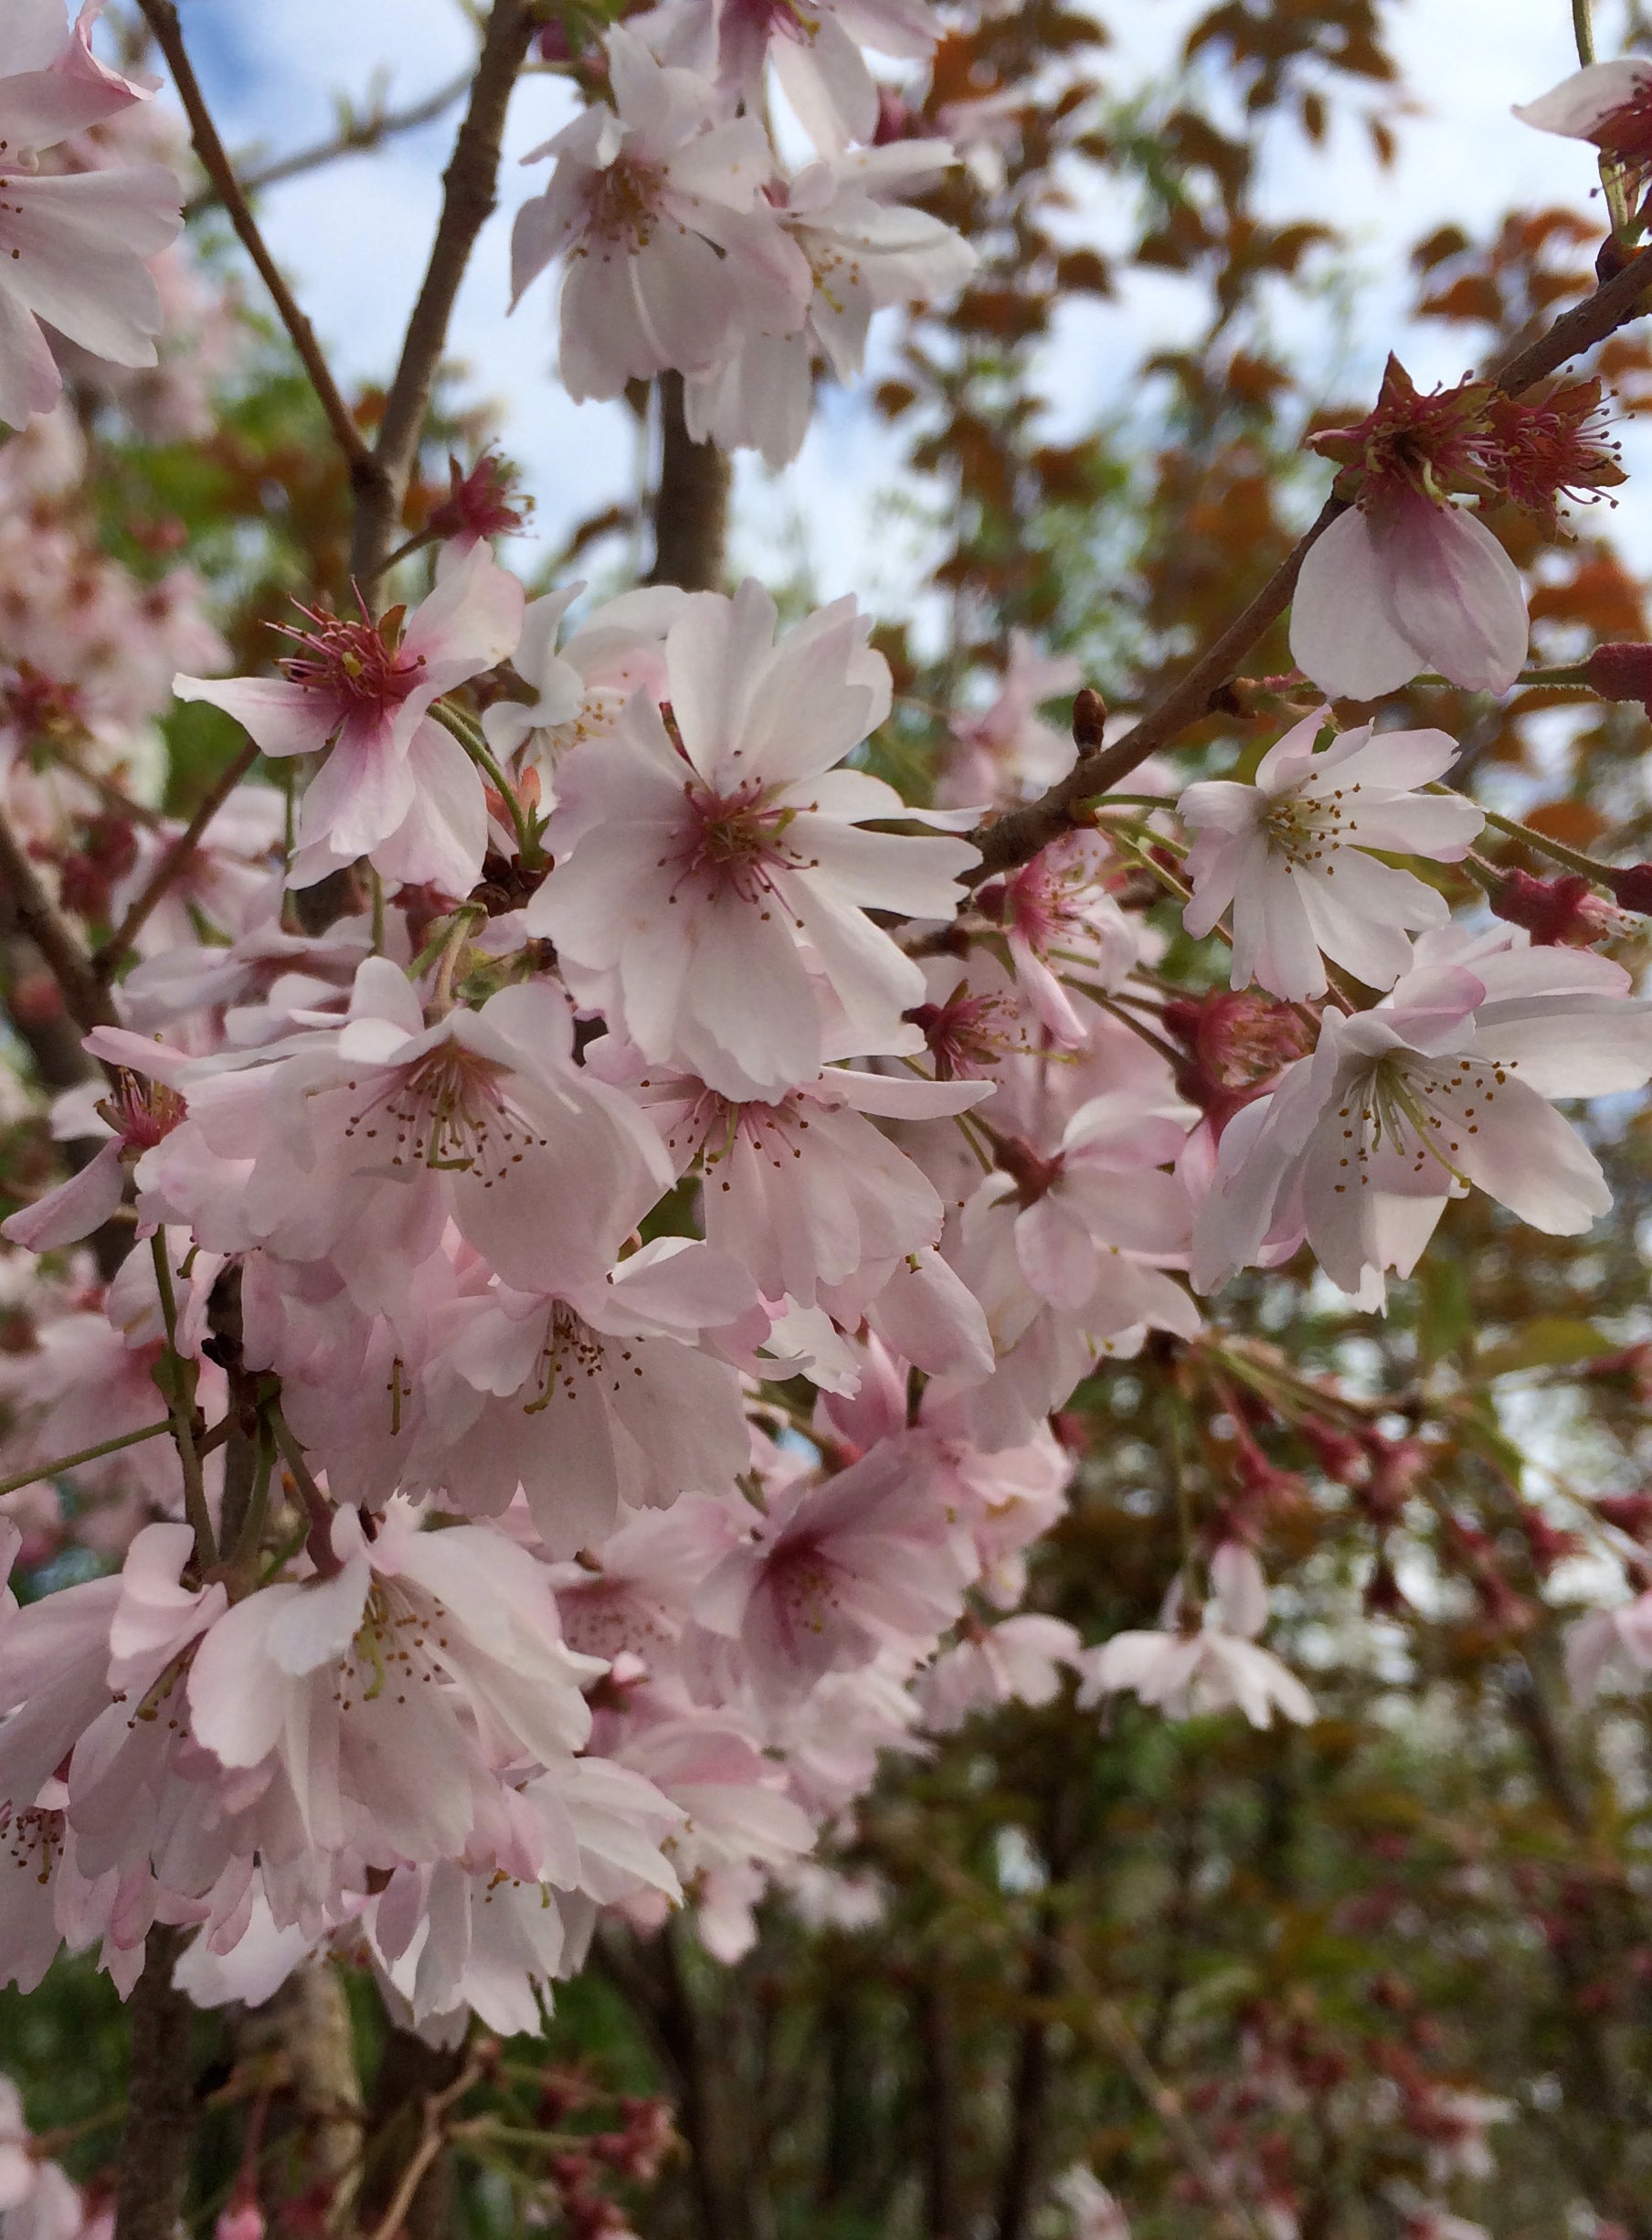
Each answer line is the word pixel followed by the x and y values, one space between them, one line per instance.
pixel 573 1358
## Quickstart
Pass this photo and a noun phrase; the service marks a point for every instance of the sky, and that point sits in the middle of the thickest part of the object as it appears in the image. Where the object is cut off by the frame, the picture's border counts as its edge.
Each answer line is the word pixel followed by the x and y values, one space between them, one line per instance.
pixel 353 240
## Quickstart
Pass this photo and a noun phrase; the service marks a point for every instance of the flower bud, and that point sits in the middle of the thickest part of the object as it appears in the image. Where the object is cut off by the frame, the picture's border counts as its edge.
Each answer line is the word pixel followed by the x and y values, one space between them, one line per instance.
pixel 1620 672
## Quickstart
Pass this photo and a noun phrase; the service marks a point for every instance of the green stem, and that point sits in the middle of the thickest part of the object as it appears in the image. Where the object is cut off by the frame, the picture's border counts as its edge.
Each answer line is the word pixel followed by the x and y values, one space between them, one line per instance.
pixel 1582 30
pixel 258 1504
pixel 319 1508
pixel 180 1406
pixel 377 889
pixel 477 748
pixel 1541 845
pixel 87 1454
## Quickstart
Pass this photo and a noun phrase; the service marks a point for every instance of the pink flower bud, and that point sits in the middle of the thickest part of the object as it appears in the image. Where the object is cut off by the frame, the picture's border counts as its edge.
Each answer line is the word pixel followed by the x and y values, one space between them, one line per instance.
pixel 1553 911
pixel 1621 672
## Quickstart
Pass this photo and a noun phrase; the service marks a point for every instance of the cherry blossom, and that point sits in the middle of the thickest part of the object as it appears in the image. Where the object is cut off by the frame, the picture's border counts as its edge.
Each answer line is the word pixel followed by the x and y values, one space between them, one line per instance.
pixel 864 249
pixel 1609 103
pixel 580 688
pixel 658 205
pixel 1443 1085
pixel 72 244
pixel 708 871
pixel 1020 1660
pixel 1204 1662
pixel 396 787
pixel 817 57
pixel 1405 580
pixel 1290 854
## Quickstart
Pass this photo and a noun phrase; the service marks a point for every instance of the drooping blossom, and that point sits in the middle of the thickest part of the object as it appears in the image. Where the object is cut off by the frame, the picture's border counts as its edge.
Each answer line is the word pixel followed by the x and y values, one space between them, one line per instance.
pixel 1062 926
pixel 1093 2212
pixel 816 53
pixel 1407 580
pixel 395 786
pixel 1290 854
pixel 1445 1085
pixel 709 870
pixel 72 244
pixel 865 248
pixel 671 246
pixel 1606 103
pixel 1201 1663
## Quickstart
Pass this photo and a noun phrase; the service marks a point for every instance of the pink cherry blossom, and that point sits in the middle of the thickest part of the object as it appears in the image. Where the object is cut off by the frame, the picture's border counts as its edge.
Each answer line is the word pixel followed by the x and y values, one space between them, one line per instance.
pixel 834 1574
pixel 1199 1668
pixel 1609 103
pixel 658 205
pixel 864 249
pixel 72 244
pixel 709 870
pixel 1443 1085
pixel 817 57
pixel 1610 1644
pixel 580 688
pixel 1008 750
pixel 1020 1660
pixel 591 1399
pixel 1290 854
pixel 362 1141
pixel 1058 905
pixel 395 786
pixel 1403 584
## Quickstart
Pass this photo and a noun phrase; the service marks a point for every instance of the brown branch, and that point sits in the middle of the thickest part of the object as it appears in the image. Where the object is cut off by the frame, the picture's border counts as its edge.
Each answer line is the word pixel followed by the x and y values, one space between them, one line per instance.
pixel 105 958
pixel 85 997
pixel 160 2101
pixel 1016 837
pixel 690 505
pixel 161 17
pixel 469 186
pixel 358 136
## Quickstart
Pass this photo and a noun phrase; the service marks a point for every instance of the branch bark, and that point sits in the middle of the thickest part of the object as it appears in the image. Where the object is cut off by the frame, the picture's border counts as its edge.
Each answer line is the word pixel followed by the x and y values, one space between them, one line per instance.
pixel 690 505
pixel 469 188
pixel 162 18
pixel 105 959
pixel 359 136
pixel 1017 837
pixel 85 997
pixel 160 2101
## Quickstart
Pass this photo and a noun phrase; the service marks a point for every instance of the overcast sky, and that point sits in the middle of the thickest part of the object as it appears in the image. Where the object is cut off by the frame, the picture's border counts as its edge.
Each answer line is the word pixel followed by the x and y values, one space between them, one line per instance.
pixel 354 239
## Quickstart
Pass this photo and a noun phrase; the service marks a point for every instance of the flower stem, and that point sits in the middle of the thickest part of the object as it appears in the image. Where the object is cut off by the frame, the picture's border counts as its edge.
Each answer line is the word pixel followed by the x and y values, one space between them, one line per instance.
pixel 477 748
pixel 86 1454
pixel 1574 859
pixel 317 1505
pixel 179 1390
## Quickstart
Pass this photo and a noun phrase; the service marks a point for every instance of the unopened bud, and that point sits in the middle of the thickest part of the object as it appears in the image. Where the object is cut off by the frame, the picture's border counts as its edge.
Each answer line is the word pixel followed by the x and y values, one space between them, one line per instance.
pixel 1633 887
pixel 1619 671
pixel 1089 719
pixel 1565 910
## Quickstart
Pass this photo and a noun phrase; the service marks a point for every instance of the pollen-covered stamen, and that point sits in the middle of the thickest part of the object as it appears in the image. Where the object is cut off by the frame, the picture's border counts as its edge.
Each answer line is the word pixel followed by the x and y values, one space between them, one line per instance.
pixel 141 1112
pixel 1309 828
pixel 1429 1115
pixel 736 843
pixel 351 658
pixel 391 1653
pixel 574 1354
pixel 452 1110
pixel 30 1841
pixel 621 210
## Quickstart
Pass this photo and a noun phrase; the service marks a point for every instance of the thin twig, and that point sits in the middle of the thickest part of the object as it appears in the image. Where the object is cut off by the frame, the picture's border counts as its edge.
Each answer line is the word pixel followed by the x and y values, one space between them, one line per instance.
pixel 85 997
pixel 431 2141
pixel 356 136
pixel 469 186
pixel 162 18
pixel 1018 837
pixel 105 958
pixel 86 1454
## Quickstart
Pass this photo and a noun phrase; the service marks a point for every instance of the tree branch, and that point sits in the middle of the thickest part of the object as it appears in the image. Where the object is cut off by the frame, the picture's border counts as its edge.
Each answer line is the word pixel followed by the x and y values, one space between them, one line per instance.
pixel 160 2101
pixel 356 136
pixel 469 186
pixel 104 960
pixel 690 505
pixel 161 17
pixel 1016 837
pixel 85 997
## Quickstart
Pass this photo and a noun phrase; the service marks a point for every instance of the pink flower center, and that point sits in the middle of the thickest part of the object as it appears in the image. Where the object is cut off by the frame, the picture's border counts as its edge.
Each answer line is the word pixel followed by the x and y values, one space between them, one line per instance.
pixel 1625 134
pixel 142 1113
pixel 733 842
pixel 967 1035
pixel 804 1583
pixel 573 1351
pixel 352 661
